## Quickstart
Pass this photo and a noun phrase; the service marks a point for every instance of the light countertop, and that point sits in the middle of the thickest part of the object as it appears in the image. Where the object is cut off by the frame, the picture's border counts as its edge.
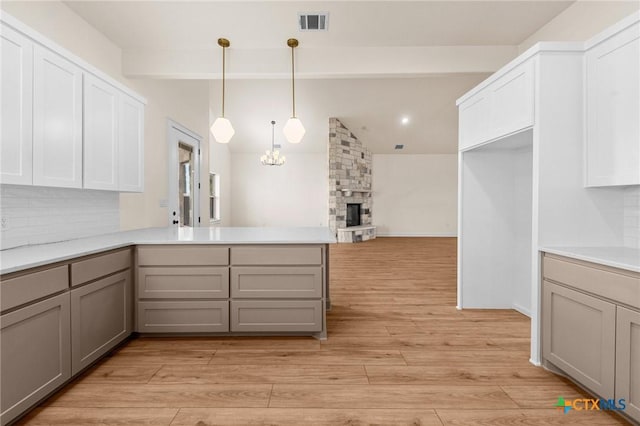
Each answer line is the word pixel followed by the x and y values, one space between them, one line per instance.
pixel 617 257
pixel 21 258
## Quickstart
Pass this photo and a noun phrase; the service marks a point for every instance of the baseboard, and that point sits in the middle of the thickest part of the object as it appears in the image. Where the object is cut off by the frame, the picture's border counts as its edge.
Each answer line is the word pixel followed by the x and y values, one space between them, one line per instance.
pixel 401 234
pixel 522 310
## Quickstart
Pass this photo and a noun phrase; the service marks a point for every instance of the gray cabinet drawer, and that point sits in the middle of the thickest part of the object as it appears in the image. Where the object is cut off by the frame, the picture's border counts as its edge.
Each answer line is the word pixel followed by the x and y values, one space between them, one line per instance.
pixel 35 354
pixel 277 282
pixel 276 255
pixel 617 285
pixel 183 282
pixel 276 315
pixel 26 288
pixel 579 336
pixel 100 266
pixel 100 318
pixel 183 316
pixel 193 255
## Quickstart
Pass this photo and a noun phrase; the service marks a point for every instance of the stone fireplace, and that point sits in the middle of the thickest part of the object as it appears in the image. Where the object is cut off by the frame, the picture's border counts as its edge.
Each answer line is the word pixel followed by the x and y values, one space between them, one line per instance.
pixel 349 184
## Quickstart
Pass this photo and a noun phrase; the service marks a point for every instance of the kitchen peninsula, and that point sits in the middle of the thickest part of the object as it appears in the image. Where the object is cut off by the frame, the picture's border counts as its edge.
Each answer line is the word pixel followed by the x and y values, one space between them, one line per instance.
pixel 65 305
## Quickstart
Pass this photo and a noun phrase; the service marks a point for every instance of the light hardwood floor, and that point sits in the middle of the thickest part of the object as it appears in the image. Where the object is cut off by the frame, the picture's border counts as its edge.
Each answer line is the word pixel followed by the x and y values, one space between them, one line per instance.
pixel 398 352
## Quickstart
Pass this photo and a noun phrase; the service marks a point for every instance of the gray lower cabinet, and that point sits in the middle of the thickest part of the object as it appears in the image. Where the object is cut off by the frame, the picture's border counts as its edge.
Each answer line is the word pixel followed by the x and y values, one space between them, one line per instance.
pixel 276 315
pixel 183 282
pixel 183 316
pixel 100 318
pixel 579 336
pixel 35 348
pixel 628 360
pixel 276 282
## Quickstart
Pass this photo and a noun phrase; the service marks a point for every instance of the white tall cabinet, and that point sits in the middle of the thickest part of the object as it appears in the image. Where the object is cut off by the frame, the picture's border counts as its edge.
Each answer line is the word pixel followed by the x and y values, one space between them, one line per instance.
pixel 16 78
pixel 522 162
pixel 65 123
pixel 100 134
pixel 612 63
pixel 57 120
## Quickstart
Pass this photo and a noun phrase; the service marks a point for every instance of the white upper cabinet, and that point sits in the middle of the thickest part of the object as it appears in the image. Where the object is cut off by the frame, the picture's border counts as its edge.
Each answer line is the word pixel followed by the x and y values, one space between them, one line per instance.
pixel 100 134
pixel 131 144
pixel 65 123
pixel 613 109
pixel 504 105
pixel 16 82
pixel 57 120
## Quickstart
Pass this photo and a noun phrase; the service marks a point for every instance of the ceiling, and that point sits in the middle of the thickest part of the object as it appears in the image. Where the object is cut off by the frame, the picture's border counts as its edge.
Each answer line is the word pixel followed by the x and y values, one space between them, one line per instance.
pixel 429 53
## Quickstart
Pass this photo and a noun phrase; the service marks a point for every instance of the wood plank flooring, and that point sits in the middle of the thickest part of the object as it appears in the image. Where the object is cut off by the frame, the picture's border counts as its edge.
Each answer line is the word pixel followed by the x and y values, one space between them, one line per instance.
pixel 398 352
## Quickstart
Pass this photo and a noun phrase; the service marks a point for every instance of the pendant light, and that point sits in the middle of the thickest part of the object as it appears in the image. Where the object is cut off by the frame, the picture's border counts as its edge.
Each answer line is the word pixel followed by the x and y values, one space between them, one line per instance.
pixel 222 129
pixel 273 157
pixel 293 130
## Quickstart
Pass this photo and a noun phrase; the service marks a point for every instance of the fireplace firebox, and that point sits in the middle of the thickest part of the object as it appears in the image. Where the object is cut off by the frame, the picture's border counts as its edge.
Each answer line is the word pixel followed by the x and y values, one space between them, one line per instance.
pixel 353 215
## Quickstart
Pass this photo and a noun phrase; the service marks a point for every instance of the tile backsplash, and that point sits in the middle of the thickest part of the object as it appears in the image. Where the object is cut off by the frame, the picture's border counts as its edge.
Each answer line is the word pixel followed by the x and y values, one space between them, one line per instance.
pixel 37 215
pixel 632 217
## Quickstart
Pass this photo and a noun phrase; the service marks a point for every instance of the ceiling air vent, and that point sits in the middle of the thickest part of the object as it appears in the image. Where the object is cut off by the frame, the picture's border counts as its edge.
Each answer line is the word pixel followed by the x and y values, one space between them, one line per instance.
pixel 313 21
pixel 399 147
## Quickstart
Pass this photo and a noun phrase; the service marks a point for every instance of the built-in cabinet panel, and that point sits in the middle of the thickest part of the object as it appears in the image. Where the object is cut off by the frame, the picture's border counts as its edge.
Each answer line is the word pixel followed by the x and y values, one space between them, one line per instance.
pixel 57 120
pixel 628 360
pixel 100 318
pixel 100 134
pixel 504 106
pixel 612 110
pixel 36 354
pixel 206 316
pixel 276 315
pixel 130 144
pixel 98 266
pixel 16 91
pixel 183 255
pixel 183 282
pixel 279 282
pixel 27 288
pixel 579 336
pixel 512 101
pixel 276 255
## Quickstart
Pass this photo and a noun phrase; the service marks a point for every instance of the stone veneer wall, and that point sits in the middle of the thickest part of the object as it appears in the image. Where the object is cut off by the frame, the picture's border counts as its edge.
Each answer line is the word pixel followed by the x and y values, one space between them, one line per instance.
pixel 349 168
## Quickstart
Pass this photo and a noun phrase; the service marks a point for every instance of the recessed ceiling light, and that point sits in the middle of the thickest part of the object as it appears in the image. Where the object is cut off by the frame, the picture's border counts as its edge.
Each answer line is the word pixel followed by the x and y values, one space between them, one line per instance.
pixel 405 120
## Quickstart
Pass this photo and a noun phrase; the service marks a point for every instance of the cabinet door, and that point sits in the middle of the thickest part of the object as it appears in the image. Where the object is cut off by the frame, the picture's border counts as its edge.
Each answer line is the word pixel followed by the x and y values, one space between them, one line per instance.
pixel 35 343
pixel 131 144
pixel 474 121
pixel 16 85
pixel 628 360
pixel 183 282
pixel 579 334
pixel 613 108
pixel 57 120
pixel 276 315
pixel 100 318
pixel 100 134
pixel 512 101
pixel 184 316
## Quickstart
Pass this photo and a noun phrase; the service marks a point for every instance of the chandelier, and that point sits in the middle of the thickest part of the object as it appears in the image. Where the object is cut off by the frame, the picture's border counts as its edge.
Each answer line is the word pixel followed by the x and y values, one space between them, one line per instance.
pixel 273 157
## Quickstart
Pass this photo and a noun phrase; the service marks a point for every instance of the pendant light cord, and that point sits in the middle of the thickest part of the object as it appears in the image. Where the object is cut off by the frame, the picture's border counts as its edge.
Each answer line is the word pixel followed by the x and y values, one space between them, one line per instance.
pixel 293 83
pixel 273 126
pixel 223 80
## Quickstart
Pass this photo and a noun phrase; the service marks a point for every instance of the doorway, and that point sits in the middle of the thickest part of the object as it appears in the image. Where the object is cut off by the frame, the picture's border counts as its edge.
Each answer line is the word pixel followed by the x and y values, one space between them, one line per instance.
pixel 184 176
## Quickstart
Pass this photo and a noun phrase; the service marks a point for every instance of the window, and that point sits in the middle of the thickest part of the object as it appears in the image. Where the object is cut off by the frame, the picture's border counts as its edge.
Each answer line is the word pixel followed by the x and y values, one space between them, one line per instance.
pixel 214 197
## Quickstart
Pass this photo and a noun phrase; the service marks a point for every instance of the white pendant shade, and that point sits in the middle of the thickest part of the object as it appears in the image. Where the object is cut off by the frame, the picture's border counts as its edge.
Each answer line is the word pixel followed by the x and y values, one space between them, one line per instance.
pixel 222 130
pixel 294 130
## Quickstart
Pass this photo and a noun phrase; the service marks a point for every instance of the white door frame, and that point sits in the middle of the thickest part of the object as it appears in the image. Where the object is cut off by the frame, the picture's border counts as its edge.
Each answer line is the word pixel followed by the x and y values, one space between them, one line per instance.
pixel 178 133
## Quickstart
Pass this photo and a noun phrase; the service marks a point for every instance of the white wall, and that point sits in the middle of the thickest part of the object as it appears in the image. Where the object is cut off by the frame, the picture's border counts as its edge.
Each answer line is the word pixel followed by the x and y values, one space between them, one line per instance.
pixel 184 101
pixel 415 195
pixel 295 194
pixel 581 21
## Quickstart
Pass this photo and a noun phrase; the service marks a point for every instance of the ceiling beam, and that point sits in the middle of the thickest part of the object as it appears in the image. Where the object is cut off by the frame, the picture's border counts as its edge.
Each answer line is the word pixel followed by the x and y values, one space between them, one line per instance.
pixel 343 62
